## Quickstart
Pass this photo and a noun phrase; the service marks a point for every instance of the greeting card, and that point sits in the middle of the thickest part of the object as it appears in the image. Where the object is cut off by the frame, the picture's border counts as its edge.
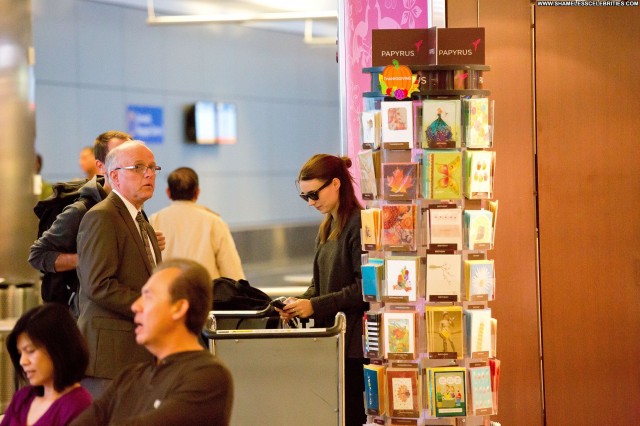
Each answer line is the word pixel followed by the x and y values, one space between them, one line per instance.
pixel 371 228
pixel 445 226
pixel 480 397
pixel 447 387
pixel 397 124
pixel 403 389
pixel 368 179
pixel 479 279
pixel 372 274
pixel 478 225
pixel 402 276
pixel 479 166
pixel 442 174
pixel 477 130
pixel 478 332
pixel 399 227
pixel 400 181
pixel 441 123
pixel 494 364
pixel 375 389
pixel 493 208
pixel 373 335
pixel 494 338
pixel 444 332
pixel 400 335
pixel 443 277
pixel 371 128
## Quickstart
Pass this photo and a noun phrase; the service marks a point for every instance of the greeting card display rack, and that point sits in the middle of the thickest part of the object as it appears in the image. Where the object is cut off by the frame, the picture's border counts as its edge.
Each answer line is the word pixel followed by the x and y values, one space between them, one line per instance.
pixel 426 166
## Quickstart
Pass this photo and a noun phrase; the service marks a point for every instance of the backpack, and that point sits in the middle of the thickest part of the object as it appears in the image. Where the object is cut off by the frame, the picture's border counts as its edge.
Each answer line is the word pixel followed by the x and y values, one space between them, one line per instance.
pixel 47 210
pixel 58 286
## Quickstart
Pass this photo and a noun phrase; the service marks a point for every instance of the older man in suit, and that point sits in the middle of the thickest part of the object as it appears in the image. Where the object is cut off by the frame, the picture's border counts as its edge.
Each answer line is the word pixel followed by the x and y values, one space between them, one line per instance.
pixel 117 251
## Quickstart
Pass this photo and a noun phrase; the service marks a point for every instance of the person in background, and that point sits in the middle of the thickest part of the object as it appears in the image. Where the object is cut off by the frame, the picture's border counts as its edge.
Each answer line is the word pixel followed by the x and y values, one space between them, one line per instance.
pixel 41 187
pixel 185 384
pixel 117 251
pixel 55 252
pixel 193 231
pixel 325 183
pixel 87 162
pixel 49 353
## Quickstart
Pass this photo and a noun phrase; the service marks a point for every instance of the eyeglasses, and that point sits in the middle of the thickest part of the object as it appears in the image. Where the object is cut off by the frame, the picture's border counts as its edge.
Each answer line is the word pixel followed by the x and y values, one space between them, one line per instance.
pixel 141 169
pixel 314 195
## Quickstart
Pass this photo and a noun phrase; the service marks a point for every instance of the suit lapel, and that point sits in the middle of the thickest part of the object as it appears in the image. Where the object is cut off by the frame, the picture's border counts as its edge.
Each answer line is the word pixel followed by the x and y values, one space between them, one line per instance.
pixel 133 230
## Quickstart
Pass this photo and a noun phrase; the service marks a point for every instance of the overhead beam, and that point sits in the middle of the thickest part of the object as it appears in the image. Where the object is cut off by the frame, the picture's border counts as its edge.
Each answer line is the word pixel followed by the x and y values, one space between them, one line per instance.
pixel 229 18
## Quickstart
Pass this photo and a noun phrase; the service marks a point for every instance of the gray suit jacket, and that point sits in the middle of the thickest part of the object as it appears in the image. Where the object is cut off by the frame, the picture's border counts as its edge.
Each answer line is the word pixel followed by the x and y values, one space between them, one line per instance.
pixel 112 268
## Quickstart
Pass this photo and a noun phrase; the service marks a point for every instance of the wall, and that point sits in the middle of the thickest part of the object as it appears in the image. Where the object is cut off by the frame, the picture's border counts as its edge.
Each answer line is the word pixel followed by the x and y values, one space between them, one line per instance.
pixel 93 59
pixel 584 161
pixel 588 156
pixel 508 52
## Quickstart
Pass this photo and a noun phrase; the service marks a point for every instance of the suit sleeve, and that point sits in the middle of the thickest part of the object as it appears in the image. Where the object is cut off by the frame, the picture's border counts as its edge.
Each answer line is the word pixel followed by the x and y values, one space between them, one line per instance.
pixel 59 238
pixel 100 247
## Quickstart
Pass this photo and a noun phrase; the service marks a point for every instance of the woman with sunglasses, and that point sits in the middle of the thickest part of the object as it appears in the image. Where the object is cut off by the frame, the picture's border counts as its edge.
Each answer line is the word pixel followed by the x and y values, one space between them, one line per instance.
pixel 49 353
pixel 326 184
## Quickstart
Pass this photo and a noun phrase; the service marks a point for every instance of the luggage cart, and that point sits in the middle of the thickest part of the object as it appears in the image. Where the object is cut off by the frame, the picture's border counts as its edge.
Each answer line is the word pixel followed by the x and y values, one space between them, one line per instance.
pixel 234 320
pixel 282 377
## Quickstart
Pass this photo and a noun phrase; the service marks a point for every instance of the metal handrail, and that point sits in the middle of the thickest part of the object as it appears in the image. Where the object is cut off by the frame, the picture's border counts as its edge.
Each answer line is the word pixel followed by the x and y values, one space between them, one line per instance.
pixel 338 327
pixel 266 312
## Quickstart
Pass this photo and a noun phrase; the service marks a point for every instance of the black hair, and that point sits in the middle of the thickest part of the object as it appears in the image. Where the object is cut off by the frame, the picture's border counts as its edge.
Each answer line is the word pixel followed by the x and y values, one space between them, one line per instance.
pixel 183 184
pixel 52 328
pixel 193 284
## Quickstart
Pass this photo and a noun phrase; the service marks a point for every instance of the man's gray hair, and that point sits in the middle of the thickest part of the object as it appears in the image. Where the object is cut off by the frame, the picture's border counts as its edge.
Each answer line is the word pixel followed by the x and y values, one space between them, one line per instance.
pixel 113 157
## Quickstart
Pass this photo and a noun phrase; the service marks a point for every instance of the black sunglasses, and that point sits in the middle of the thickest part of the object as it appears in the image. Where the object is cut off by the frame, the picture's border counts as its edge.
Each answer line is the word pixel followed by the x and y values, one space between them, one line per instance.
pixel 314 195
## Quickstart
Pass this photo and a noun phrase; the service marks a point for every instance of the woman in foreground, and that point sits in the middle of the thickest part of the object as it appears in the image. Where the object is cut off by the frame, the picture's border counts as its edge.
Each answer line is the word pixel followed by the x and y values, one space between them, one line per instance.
pixel 49 353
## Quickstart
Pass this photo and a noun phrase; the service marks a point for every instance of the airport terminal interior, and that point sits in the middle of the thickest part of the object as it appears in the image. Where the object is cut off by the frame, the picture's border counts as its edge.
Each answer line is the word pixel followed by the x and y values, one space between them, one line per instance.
pixel 288 81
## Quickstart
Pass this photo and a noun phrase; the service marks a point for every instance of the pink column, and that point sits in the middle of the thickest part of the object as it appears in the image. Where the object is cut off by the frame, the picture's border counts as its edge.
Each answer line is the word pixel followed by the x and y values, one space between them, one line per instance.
pixel 360 17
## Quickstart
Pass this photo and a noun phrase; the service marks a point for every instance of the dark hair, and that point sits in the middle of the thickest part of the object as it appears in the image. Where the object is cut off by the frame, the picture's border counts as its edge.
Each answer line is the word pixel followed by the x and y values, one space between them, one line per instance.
pixel 101 144
pixel 38 163
pixel 325 167
pixel 194 285
pixel 52 328
pixel 183 184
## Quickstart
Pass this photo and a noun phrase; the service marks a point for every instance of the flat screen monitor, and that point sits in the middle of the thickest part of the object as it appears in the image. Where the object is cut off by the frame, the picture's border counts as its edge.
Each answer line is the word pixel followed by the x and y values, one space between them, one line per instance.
pixel 209 122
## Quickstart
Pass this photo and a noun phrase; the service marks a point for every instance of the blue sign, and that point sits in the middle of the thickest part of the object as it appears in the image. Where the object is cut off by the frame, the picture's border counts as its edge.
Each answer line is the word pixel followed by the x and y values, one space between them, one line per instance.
pixel 145 123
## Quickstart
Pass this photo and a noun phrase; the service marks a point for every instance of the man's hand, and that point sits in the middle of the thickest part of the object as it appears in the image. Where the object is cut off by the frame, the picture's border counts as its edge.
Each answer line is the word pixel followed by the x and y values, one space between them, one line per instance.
pixel 162 241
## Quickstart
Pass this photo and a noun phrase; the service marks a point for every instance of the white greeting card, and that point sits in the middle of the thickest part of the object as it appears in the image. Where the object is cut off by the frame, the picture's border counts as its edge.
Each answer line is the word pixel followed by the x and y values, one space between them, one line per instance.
pixel 402 277
pixel 397 124
pixel 443 276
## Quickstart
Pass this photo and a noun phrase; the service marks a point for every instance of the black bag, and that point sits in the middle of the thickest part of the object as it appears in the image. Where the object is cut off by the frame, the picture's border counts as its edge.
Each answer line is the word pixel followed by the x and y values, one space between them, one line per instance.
pixel 232 295
pixel 58 286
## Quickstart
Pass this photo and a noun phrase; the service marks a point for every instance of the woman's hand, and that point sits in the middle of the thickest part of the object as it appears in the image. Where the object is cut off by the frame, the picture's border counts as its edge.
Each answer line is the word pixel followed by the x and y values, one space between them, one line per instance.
pixel 300 308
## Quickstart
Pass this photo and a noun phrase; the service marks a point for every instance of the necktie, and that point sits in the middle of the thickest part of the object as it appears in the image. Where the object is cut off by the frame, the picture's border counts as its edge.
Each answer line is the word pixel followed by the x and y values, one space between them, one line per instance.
pixel 145 238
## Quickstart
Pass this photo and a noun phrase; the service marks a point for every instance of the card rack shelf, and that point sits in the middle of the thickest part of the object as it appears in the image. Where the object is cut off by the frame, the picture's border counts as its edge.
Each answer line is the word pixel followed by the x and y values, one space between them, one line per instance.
pixel 428 87
pixel 424 360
